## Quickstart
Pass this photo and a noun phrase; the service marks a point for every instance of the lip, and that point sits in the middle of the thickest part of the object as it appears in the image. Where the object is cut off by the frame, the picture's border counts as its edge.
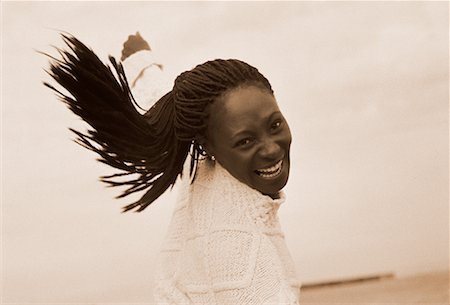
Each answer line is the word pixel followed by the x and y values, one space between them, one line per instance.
pixel 270 165
pixel 275 173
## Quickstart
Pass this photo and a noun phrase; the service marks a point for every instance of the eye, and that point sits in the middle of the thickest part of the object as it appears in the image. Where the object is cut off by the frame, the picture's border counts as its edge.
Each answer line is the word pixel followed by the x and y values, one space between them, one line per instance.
pixel 244 142
pixel 276 125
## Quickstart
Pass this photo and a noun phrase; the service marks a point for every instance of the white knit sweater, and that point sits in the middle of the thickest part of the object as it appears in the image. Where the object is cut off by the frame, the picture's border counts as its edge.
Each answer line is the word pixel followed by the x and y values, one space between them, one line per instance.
pixel 225 246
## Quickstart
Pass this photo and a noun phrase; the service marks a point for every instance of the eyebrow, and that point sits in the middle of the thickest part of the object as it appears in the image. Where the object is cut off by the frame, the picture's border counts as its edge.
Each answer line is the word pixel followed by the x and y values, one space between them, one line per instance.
pixel 245 131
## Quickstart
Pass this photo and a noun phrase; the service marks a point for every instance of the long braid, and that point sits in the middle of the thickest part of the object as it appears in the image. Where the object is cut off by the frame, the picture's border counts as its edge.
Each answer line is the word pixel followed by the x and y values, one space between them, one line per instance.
pixel 154 145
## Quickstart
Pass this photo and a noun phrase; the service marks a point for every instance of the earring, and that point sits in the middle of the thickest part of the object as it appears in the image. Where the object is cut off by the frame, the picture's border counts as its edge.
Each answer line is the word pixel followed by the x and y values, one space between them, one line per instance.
pixel 212 158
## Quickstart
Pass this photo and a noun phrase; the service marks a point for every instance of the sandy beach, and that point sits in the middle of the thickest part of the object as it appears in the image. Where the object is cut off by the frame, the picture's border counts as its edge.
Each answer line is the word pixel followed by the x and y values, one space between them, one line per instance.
pixel 430 288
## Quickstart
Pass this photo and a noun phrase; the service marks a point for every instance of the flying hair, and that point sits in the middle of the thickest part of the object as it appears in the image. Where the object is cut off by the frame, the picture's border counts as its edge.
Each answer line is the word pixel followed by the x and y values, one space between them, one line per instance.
pixel 154 145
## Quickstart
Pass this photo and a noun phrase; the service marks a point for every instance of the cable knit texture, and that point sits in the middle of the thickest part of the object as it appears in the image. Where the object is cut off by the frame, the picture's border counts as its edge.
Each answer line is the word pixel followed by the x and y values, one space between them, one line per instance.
pixel 225 246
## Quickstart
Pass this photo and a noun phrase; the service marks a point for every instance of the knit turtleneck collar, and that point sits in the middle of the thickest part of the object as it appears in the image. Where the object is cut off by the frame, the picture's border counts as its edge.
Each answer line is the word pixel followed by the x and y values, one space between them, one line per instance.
pixel 261 208
pixel 212 171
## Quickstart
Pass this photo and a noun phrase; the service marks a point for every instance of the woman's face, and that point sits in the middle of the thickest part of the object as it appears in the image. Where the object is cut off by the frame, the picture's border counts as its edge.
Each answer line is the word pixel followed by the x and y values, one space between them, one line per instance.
pixel 249 137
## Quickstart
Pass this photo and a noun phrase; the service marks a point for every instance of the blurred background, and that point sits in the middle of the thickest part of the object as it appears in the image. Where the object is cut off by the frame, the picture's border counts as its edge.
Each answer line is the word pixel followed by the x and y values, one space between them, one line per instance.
pixel 364 86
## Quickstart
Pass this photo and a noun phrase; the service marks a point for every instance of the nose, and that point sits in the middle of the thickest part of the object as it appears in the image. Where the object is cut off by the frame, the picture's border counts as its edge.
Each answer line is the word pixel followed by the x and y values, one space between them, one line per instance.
pixel 270 149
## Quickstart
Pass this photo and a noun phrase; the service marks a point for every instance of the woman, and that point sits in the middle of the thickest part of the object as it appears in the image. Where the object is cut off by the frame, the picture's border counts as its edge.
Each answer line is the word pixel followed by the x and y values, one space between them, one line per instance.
pixel 224 244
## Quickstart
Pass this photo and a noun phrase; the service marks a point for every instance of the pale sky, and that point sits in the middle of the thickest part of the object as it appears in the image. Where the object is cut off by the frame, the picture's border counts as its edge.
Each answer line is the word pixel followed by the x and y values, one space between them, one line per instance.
pixel 364 86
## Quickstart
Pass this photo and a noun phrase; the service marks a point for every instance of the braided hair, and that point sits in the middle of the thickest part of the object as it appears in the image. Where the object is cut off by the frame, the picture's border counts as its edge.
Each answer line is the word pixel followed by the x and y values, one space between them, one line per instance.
pixel 156 144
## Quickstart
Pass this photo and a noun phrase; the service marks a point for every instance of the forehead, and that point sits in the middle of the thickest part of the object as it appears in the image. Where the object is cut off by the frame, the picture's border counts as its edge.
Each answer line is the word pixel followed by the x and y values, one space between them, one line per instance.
pixel 244 102
pixel 242 108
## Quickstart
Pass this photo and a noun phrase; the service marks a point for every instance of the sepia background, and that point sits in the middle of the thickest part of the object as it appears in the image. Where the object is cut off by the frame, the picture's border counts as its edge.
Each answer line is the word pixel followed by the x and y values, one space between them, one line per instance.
pixel 363 85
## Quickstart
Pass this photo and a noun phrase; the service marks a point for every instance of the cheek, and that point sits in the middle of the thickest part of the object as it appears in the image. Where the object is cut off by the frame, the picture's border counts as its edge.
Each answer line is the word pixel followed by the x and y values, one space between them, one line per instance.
pixel 288 132
pixel 241 161
pixel 287 138
pixel 239 164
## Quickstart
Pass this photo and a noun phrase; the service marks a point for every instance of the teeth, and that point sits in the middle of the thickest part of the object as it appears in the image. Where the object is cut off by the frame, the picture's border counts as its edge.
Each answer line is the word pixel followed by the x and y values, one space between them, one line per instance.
pixel 270 171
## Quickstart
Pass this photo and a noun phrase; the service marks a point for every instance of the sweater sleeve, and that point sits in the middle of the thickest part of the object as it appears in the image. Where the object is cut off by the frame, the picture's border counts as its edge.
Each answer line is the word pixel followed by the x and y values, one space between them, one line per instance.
pixel 147 79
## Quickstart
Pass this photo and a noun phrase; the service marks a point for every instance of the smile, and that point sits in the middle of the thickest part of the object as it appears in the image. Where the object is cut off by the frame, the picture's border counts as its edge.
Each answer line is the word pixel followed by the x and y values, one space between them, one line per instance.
pixel 270 172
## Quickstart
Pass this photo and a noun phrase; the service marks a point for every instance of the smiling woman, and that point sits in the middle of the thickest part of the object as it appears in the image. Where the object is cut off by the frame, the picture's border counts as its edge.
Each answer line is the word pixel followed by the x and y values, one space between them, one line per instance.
pixel 249 136
pixel 225 244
